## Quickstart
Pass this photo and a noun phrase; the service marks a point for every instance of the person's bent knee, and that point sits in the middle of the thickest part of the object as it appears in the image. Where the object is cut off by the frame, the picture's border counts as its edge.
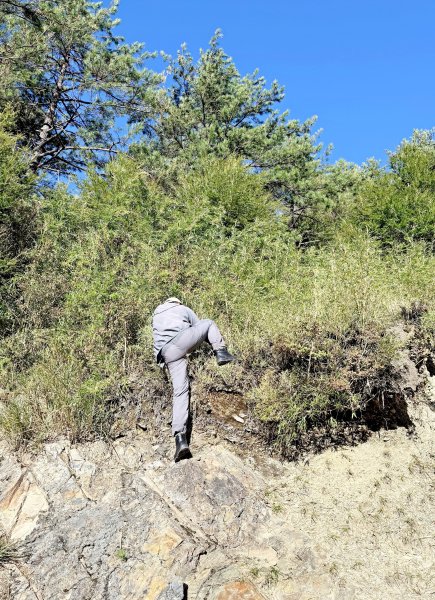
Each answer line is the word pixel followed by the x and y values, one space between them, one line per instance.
pixel 206 321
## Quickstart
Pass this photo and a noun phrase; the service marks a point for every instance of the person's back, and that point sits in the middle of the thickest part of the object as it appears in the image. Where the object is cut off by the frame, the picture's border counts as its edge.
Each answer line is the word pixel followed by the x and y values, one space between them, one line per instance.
pixel 177 331
pixel 169 319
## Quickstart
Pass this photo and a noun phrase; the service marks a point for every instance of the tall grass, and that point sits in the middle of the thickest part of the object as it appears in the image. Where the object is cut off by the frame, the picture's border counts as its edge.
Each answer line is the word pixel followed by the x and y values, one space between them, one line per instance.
pixel 310 326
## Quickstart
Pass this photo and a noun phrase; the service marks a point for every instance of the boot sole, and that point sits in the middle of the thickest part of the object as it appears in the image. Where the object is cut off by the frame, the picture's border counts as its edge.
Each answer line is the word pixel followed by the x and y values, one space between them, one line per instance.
pixel 225 362
pixel 185 453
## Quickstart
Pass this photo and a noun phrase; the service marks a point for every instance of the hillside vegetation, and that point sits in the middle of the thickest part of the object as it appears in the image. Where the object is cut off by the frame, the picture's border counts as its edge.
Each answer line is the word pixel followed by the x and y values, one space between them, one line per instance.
pixel 219 199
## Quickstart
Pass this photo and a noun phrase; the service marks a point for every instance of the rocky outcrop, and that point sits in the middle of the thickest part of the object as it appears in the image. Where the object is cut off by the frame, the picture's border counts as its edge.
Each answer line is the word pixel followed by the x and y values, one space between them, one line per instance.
pixel 112 522
pixel 119 520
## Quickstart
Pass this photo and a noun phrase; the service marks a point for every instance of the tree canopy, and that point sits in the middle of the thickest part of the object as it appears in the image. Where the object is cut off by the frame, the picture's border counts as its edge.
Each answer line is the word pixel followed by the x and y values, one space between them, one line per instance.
pixel 208 107
pixel 68 77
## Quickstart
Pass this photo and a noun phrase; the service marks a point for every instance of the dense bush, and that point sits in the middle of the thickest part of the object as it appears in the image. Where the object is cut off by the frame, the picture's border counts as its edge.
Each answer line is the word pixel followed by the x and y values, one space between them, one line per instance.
pixel 310 326
pixel 17 216
pixel 398 205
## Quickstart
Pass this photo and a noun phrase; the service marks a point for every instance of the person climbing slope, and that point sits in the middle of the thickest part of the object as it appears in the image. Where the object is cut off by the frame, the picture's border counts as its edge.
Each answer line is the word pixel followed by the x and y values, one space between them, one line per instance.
pixel 176 332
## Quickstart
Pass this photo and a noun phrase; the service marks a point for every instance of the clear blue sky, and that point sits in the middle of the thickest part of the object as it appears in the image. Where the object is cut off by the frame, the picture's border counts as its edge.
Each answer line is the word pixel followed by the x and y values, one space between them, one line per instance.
pixel 365 68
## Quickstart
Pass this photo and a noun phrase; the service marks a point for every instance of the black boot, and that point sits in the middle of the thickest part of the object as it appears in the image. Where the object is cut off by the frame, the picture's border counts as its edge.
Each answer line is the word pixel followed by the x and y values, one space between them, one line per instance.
pixel 223 356
pixel 182 449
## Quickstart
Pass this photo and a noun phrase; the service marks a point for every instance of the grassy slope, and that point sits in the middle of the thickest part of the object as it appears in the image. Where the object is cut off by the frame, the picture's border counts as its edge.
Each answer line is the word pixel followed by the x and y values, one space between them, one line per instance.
pixel 310 326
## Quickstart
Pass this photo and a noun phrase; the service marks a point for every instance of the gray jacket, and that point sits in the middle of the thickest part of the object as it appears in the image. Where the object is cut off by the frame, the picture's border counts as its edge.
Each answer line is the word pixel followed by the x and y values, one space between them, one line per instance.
pixel 169 319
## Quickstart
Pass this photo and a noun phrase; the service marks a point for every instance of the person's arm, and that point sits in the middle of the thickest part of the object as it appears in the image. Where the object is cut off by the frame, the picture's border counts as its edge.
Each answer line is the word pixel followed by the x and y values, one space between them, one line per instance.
pixel 193 319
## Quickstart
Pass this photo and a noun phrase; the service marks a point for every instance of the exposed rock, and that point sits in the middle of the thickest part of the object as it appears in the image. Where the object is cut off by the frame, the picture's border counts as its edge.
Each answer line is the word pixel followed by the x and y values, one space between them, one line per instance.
pixel 118 527
pixel 121 521
pixel 408 377
pixel 239 590
pixel 21 506
pixel 4 584
pixel 174 591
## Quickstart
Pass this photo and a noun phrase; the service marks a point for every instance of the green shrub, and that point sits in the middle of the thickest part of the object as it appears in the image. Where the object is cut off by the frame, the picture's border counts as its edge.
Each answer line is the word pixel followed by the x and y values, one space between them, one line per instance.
pixel 18 221
pixel 398 206
pixel 310 326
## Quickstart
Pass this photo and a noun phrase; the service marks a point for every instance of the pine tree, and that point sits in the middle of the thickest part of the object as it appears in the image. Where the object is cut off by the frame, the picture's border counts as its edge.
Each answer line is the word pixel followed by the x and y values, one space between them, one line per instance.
pixel 68 78
pixel 209 108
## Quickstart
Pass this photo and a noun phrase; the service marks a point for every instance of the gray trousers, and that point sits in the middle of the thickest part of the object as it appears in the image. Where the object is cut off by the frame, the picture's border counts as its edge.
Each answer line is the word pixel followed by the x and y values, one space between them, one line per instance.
pixel 174 355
